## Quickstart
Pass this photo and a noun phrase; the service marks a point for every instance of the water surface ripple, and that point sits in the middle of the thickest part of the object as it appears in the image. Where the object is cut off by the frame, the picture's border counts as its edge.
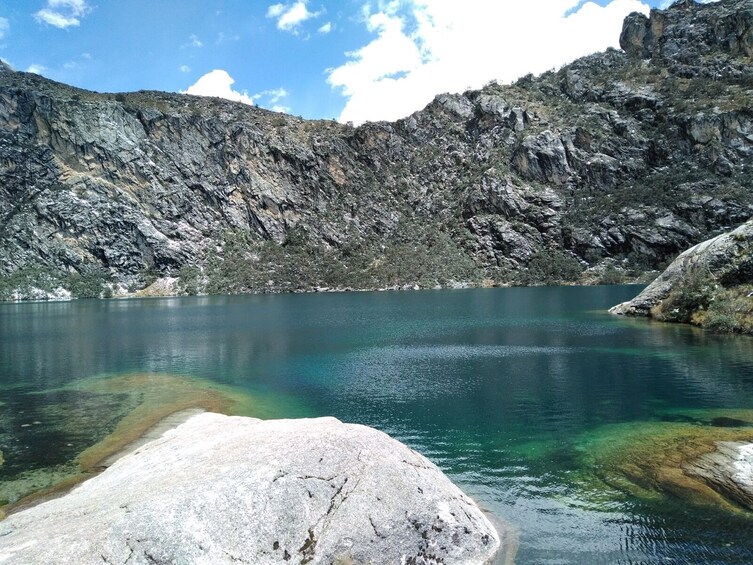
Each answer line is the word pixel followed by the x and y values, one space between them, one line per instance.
pixel 508 390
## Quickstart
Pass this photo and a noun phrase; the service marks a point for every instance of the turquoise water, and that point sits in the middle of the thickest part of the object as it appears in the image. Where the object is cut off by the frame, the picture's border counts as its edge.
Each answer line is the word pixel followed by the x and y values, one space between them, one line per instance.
pixel 502 388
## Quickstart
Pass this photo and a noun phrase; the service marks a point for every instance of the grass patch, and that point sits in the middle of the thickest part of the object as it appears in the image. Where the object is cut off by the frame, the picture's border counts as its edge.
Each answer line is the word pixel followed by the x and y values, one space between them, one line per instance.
pixel 552 266
pixel 728 311
pixel 701 301
pixel 409 256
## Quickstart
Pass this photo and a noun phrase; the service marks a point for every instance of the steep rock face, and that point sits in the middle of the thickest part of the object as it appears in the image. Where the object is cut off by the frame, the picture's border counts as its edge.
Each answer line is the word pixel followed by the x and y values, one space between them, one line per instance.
pixel 613 157
pixel 221 489
pixel 694 38
pixel 726 259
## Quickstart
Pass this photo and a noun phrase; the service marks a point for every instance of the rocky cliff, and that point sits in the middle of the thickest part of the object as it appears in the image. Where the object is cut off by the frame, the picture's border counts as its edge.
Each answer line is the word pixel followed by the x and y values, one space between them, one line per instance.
pixel 622 158
pixel 709 285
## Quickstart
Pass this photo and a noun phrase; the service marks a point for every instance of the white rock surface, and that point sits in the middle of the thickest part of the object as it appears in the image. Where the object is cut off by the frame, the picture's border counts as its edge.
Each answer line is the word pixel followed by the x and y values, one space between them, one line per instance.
pixel 726 256
pixel 221 489
pixel 165 286
pixel 728 470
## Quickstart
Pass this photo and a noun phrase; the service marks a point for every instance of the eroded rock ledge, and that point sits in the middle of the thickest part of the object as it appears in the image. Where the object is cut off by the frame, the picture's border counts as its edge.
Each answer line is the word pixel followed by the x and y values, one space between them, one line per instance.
pixel 728 470
pixel 725 261
pixel 220 489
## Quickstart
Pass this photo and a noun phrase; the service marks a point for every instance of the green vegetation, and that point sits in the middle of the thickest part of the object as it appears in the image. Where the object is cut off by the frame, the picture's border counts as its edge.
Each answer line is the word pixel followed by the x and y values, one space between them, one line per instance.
pixel 729 311
pixel 552 266
pixel 703 302
pixel 90 283
pixel 189 279
pixel 410 256
pixel 34 282
pixel 612 275
pixel 24 281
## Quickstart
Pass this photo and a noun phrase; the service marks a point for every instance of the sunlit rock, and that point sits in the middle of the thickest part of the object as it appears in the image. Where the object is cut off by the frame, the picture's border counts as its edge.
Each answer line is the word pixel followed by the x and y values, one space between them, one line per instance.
pixel 221 489
pixel 729 470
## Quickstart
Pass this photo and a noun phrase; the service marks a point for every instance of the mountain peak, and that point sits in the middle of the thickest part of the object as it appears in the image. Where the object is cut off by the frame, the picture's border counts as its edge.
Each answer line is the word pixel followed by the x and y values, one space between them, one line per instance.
pixel 692 38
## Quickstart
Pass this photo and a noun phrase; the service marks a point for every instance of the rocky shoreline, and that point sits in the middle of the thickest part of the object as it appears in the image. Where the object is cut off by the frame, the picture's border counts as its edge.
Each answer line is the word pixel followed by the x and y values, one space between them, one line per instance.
pixel 709 285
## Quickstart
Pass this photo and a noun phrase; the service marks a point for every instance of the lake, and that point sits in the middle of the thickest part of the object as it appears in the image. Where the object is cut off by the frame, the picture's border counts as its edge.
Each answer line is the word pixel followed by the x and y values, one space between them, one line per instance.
pixel 515 393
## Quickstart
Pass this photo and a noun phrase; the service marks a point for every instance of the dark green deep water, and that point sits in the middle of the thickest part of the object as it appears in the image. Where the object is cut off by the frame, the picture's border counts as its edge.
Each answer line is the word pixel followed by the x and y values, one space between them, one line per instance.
pixel 502 388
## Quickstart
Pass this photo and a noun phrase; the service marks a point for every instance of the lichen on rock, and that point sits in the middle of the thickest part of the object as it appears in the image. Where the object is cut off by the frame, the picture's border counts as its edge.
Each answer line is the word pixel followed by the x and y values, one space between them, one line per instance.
pixel 221 489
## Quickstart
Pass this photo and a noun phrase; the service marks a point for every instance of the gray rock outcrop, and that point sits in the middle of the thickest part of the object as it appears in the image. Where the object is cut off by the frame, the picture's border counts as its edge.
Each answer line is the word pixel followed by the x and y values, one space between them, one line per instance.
pixel 727 259
pixel 714 34
pixel 623 158
pixel 728 470
pixel 221 489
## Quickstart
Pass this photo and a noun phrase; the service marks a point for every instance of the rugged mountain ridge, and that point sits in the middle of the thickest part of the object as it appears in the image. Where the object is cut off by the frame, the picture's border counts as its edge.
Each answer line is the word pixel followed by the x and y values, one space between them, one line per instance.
pixel 622 158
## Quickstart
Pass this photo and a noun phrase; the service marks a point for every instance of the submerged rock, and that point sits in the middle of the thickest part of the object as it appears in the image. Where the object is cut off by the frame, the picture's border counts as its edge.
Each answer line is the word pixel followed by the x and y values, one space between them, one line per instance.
pixel 728 470
pixel 684 455
pixel 221 489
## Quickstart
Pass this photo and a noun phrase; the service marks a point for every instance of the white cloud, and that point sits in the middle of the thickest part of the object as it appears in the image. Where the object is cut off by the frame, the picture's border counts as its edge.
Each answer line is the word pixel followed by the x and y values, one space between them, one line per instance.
pixel 274 95
pixel 218 83
pixel 290 16
pixel 425 47
pixel 4 27
pixel 194 41
pixel 36 69
pixel 184 69
pixel 326 28
pixel 223 37
pixel 62 13
pixel 271 99
pixel 275 10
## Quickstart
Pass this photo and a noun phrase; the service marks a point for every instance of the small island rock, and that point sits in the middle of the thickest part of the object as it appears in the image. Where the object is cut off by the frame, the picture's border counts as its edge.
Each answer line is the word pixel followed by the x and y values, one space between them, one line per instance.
pixel 220 489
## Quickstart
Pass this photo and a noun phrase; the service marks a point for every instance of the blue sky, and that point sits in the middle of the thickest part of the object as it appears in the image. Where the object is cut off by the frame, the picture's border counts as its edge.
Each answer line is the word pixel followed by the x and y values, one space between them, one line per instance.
pixel 349 59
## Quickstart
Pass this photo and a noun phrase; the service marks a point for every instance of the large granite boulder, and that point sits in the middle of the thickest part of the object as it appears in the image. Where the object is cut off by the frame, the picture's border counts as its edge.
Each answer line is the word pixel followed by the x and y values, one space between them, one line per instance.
pixel 221 489
pixel 727 259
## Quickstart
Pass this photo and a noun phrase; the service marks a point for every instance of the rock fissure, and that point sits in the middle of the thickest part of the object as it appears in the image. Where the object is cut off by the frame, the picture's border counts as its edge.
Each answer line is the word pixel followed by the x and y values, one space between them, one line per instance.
pixel 376 532
pixel 248 516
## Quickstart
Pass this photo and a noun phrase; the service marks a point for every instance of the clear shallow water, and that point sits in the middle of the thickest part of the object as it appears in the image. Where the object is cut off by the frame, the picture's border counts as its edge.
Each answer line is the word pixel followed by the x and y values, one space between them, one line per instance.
pixel 503 388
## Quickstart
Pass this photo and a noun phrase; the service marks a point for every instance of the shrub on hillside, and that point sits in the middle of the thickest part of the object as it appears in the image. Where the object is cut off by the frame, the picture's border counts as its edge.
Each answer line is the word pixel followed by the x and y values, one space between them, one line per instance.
pixel 729 311
pixel 23 281
pixel 89 283
pixel 552 266
pixel 695 293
